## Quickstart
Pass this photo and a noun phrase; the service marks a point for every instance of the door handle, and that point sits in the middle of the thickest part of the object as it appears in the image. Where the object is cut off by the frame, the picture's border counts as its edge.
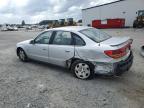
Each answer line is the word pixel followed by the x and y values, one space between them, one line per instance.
pixel 67 51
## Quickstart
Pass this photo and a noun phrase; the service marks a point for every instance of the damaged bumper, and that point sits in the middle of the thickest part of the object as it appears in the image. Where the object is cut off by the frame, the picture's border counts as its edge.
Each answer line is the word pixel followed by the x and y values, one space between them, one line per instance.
pixel 114 68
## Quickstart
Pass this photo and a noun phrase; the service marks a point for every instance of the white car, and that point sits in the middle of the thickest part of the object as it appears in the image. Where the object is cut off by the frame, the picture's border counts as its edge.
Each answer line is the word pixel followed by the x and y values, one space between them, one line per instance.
pixel 84 50
pixel 4 28
pixel 15 28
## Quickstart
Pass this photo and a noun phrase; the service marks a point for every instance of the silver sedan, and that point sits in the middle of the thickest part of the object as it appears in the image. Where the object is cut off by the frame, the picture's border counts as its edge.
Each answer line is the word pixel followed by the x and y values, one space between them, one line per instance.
pixel 84 50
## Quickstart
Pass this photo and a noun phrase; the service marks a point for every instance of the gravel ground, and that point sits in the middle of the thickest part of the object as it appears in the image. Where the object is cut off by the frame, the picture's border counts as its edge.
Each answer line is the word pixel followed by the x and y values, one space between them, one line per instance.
pixel 40 85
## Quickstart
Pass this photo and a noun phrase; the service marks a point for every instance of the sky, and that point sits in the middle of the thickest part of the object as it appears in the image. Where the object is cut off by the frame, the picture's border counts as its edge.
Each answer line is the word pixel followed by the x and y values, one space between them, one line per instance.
pixel 33 11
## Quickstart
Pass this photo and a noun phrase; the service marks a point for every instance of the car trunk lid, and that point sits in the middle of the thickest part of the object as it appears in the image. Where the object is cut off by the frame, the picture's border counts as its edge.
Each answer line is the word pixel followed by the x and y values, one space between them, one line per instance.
pixel 116 41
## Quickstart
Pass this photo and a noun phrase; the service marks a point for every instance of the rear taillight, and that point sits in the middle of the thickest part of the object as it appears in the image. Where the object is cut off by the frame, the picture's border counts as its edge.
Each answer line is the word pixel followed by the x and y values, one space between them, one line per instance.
pixel 118 53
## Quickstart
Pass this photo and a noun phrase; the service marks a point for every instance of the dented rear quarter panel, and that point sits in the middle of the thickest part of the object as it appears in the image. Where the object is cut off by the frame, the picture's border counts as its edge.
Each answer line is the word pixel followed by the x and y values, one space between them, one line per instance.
pixel 94 52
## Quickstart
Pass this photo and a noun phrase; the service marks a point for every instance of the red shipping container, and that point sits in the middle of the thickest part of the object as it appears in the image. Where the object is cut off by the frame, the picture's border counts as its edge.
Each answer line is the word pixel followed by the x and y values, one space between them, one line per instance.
pixel 116 23
pixel 96 23
pixel 109 23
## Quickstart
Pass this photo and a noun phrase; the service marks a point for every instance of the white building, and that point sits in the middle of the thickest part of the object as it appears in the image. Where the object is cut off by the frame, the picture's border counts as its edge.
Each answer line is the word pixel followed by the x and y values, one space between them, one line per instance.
pixel 126 9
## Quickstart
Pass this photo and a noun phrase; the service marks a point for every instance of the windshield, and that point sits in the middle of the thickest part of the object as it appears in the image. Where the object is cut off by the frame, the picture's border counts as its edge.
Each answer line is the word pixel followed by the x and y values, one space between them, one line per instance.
pixel 95 34
pixel 141 13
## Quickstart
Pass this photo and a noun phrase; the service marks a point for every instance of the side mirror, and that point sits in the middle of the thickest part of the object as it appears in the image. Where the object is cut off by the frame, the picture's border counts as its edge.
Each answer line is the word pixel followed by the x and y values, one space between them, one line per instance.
pixel 32 42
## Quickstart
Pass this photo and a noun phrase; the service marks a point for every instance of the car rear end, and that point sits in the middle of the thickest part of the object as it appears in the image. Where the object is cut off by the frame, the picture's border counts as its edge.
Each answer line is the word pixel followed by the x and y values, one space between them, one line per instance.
pixel 122 56
pixel 111 55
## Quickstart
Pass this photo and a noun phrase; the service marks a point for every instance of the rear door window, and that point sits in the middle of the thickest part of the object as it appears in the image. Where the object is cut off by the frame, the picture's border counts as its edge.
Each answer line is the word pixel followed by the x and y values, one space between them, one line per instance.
pixel 62 38
pixel 78 41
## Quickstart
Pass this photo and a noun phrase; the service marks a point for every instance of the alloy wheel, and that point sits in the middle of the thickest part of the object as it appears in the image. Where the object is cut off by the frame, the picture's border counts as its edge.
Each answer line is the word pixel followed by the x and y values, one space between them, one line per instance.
pixel 22 55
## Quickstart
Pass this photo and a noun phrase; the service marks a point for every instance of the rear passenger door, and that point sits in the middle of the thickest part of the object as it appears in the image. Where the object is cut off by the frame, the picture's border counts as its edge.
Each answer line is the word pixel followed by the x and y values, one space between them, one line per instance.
pixel 61 48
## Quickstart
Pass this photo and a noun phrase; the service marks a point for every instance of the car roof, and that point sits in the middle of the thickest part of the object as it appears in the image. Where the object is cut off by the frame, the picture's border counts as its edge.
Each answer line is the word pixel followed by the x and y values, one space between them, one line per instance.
pixel 71 28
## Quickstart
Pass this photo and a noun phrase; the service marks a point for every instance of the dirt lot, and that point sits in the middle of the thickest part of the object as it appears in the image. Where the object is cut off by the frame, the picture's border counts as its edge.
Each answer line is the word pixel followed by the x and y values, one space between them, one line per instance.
pixel 39 85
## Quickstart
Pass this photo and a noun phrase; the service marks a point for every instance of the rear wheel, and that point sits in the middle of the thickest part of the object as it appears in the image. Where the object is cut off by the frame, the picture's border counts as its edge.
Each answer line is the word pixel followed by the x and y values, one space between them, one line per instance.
pixel 139 25
pixel 22 55
pixel 82 69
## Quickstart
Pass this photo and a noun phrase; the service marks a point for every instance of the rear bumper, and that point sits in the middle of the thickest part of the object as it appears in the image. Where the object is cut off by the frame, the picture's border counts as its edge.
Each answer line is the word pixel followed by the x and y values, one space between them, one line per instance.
pixel 116 68
pixel 123 66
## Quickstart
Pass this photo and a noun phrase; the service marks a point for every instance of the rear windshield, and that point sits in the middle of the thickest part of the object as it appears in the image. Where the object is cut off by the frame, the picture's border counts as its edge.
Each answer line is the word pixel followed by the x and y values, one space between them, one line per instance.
pixel 95 34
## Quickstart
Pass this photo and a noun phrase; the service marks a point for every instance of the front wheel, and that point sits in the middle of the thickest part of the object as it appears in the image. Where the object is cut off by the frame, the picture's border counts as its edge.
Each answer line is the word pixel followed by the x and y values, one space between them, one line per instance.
pixel 82 69
pixel 22 55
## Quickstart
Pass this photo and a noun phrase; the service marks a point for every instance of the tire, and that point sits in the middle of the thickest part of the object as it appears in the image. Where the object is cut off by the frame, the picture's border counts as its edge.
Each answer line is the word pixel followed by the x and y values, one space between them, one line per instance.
pixel 140 26
pixel 135 24
pixel 82 69
pixel 22 55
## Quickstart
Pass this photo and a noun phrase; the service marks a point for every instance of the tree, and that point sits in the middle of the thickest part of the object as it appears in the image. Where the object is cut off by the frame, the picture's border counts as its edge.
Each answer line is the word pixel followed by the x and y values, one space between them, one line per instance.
pixel 23 23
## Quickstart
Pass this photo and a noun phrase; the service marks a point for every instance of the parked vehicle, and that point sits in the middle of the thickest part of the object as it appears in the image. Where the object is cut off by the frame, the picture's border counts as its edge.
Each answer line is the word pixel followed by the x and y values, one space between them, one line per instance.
pixel 28 28
pixel 4 28
pixel 142 51
pixel 15 28
pixel 10 28
pixel 84 50
pixel 41 27
pixel 139 22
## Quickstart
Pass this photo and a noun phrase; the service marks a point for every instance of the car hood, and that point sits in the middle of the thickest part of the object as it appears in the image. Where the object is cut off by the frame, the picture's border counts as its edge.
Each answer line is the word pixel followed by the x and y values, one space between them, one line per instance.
pixel 25 42
pixel 116 41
